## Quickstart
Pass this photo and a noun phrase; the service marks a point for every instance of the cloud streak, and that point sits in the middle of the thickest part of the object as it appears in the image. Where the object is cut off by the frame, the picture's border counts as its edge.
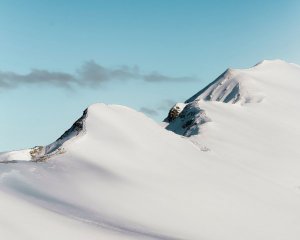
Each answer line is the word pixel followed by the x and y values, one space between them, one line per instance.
pixel 149 111
pixel 162 106
pixel 90 74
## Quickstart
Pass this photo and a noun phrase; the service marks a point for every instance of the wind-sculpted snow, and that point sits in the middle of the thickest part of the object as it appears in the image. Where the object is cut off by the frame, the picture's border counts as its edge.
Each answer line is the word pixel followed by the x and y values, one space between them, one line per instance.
pixel 233 86
pixel 237 85
pixel 235 174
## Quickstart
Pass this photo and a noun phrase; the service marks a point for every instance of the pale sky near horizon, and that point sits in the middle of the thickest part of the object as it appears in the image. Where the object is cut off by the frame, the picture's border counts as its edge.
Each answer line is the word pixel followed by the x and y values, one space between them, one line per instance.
pixel 58 57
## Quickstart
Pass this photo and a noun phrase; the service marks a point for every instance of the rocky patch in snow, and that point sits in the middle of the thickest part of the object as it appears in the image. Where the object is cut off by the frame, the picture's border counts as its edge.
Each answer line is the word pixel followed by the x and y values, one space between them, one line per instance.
pixel 77 128
pixel 42 153
pixel 188 121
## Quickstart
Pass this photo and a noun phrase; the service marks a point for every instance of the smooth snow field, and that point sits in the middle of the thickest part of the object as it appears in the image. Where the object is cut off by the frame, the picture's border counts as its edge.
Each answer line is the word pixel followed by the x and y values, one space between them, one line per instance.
pixel 232 171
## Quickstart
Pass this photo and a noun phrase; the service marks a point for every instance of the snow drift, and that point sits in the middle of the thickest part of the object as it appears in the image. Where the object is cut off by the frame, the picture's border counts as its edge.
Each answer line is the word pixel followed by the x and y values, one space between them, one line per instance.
pixel 116 174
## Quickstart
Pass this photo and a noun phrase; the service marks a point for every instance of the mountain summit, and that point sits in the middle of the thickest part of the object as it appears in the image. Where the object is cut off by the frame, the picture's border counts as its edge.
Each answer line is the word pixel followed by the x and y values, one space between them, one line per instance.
pixel 272 81
pixel 242 85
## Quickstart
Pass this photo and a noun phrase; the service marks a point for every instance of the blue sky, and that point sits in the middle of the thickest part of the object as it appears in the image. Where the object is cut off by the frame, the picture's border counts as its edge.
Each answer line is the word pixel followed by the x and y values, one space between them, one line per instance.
pixel 185 39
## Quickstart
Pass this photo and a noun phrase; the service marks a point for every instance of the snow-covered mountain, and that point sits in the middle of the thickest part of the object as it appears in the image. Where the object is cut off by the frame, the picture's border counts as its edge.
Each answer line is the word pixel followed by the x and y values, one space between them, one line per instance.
pixel 230 172
pixel 257 126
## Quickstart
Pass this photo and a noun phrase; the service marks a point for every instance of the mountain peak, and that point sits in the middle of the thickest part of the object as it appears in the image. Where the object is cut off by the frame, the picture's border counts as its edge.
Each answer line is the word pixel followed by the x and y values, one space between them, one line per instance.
pixel 267 79
pixel 241 85
pixel 270 62
pixel 232 86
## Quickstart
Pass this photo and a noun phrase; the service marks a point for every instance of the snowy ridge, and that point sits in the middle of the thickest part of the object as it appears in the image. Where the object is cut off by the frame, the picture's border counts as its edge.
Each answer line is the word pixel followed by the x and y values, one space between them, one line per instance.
pixel 273 62
pixel 78 128
pixel 234 86
pixel 42 153
pixel 239 85
pixel 124 177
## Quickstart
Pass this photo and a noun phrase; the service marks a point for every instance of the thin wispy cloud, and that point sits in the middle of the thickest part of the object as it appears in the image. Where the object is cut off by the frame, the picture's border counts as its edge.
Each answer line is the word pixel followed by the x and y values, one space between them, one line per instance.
pixel 162 106
pixel 166 104
pixel 90 74
pixel 149 111
pixel 13 80
pixel 157 77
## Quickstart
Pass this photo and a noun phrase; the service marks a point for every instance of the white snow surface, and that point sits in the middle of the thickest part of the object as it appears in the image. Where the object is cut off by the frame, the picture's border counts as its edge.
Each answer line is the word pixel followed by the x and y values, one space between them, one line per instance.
pixel 126 177
pixel 21 155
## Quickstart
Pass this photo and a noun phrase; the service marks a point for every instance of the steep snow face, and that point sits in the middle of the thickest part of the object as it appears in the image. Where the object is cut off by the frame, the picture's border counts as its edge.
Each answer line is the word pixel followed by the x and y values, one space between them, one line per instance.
pixel 267 79
pixel 262 136
pixel 233 86
pixel 78 128
pixel 242 85
pixel 42 153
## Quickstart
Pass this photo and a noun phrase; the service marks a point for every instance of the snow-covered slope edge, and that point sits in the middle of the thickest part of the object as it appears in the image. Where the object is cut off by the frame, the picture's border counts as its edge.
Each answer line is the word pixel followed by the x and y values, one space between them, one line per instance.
pixel 128 178
pixel 41 153
pixel 235 86
pixel 262 136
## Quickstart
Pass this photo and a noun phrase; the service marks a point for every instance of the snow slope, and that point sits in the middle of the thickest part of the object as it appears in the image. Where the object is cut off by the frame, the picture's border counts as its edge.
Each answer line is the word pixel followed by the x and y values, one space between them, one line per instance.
pixel 122 176
pixel 262 136
pixel 42 153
